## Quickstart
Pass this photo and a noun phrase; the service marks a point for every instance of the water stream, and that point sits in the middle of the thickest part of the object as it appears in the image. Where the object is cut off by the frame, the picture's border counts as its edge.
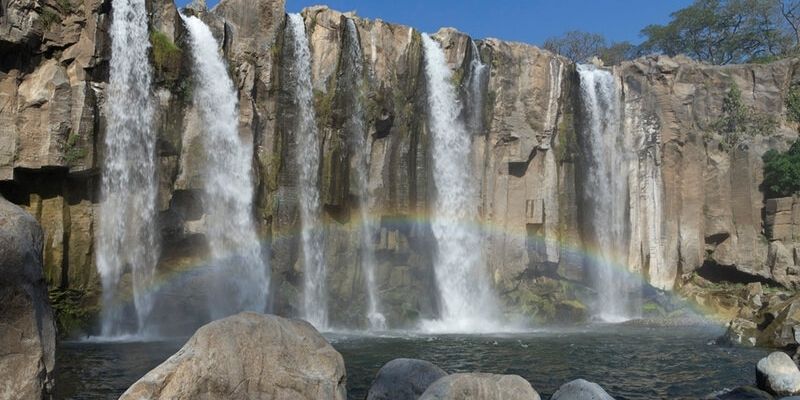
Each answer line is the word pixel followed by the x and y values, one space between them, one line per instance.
pixel 315 302
pixel 126 239
pixel 242 274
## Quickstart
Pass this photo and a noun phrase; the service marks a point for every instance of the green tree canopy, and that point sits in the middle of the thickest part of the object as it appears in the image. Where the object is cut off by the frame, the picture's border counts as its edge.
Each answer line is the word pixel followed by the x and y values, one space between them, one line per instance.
pixel 782 171
pixel 725 31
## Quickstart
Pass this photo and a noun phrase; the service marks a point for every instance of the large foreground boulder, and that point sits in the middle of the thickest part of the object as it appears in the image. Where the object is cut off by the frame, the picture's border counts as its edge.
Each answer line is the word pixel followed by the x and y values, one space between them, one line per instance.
pixel 478 386
pixel 778 374
pixel 404 379
pixel 581 389
pixel 27 329
pixel 248 356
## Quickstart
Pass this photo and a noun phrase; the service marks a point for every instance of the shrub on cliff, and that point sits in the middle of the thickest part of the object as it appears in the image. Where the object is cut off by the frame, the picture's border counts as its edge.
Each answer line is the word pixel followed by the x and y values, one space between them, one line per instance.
pixel 782 172
pixel 739 123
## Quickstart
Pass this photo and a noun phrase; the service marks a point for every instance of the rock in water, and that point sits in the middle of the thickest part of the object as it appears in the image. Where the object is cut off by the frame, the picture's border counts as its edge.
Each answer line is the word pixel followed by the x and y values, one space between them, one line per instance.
pixel 248 356
pixel 480 387
pixel 778 374
pixel 404 379
pixel 742 393
pixel 27 329
pixel 581 389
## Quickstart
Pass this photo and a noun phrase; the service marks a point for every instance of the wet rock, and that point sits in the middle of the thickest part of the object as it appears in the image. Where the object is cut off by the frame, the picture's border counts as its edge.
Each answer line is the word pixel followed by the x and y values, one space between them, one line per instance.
pixel 581 389
pixel 404 379
pixel 248 356
pixel 27 330
pixel 478 386
pixel 742 393
pixel 778 374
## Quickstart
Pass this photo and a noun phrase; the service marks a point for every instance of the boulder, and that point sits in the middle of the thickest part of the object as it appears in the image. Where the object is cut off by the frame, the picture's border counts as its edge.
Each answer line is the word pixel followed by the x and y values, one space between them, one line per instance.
pixel 478 386
pixel 404 379
pixel 248 356
pixel 27 330
pixel 581 389
pixel 778 374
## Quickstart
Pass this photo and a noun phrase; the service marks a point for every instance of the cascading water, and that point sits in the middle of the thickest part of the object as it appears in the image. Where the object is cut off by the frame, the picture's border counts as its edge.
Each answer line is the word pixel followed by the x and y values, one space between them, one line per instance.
pixel 315 302
pixel 473 93
pixel 126 238
pixel 466 299
pixel 606 194
pixel 363 147
pixel 242 275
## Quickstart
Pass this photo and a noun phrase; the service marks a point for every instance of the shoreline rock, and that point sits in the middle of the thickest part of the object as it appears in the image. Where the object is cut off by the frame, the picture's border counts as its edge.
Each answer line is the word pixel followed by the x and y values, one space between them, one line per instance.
pixel 27 328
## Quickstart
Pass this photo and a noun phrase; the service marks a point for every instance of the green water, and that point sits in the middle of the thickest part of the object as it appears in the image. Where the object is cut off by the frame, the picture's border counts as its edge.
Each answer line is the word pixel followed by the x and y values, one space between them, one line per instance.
pixel 629 362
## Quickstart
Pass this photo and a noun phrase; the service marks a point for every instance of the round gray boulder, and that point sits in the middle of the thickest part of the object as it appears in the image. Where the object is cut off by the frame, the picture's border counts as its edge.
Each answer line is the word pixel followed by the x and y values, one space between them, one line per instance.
pixel 581 389
pixel 480 387
pixel 778 374
pixel 248 356
pixel 404 379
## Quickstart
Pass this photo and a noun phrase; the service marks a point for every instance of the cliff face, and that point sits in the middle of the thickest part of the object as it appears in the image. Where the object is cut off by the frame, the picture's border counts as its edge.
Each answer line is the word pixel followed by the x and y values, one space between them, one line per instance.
pixel 693 206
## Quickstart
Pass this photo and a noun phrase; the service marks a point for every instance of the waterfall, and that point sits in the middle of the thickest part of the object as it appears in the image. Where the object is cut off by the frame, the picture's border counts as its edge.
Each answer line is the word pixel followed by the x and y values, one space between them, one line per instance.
pixel 465 296
pixel 126 237
pixel 315 304
pixel 354 66
pixel 606 198
pixel 242 278
pixel 473 93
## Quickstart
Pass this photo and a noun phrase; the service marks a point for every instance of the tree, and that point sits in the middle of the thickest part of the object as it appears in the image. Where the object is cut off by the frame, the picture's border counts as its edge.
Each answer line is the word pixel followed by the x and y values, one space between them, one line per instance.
pixel 576 45
pixel 580 46
pixel 617 53
pixel 782 171
pixel 722 31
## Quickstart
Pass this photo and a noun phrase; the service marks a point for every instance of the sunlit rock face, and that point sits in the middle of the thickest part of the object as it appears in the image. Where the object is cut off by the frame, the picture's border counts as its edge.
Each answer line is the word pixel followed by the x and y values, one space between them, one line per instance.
pixel 692 207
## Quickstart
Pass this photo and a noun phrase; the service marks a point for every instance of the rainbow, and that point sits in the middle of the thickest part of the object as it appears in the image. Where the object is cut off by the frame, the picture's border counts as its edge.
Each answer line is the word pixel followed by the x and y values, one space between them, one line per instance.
pixel 174 269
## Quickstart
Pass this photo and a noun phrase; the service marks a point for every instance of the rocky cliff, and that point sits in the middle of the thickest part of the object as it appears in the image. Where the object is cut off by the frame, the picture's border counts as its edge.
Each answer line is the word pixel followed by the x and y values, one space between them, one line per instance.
pixel 696 208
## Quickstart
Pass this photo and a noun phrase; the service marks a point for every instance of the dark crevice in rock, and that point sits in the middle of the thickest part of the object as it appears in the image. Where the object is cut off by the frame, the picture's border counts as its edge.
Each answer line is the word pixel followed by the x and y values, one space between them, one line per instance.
pixel 716 273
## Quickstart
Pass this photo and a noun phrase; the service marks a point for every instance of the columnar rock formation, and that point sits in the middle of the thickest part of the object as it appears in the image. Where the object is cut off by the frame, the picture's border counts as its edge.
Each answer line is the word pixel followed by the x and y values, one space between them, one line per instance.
pixel 705 219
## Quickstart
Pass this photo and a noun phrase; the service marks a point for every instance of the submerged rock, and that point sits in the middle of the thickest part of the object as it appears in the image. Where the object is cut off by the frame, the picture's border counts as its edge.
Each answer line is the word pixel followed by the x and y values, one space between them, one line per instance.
pixel 580 389
pixel 404 379
pixel 478 386
pixel 248 356
pixel 27 330
pixel 778 374
pixel 742 393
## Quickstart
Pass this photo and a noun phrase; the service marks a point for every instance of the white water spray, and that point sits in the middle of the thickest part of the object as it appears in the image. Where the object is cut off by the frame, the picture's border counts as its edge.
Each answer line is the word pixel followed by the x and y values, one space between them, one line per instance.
pixel 315 299
pixel 126 238
pixel 243 276
pixel 363 147
pixel 466 299
pixel 606 194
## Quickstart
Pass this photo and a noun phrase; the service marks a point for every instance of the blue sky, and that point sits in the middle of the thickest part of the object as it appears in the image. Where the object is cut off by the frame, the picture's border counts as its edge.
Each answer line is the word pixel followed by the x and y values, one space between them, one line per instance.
pixel 530 21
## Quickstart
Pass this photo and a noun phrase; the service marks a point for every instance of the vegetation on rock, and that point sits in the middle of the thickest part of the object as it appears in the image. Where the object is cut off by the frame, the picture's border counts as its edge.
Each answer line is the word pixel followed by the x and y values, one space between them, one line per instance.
pixel 581 46
pixel 166 56
pixel 782 171
pixel 740 123
pixel 72 310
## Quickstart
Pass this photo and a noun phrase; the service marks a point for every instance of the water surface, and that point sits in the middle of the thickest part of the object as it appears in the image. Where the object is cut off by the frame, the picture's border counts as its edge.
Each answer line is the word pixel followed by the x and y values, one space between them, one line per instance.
pixel 629 362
